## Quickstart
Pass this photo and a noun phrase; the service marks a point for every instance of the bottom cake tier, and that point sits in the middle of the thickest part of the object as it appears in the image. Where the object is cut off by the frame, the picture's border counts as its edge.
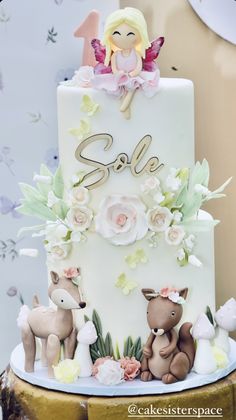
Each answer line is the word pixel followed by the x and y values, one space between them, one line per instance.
pixel 20 398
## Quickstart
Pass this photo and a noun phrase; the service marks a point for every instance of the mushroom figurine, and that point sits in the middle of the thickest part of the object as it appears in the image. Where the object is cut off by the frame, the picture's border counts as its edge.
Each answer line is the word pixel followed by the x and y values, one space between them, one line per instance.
pixel 225 319
pixel 203 332
pixel 86 336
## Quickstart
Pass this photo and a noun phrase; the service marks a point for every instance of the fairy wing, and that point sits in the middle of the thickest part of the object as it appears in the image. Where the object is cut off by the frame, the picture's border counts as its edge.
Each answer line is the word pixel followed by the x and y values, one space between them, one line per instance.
pixel 152 53
pixel 100 54
pixel 99 50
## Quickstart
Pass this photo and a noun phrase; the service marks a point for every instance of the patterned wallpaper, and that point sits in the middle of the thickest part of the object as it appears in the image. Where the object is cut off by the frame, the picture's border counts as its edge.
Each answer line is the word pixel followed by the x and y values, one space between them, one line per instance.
pixel 37 51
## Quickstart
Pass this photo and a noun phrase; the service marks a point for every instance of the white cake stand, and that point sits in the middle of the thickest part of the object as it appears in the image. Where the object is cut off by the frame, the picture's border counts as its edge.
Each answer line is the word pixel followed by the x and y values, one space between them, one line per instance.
pixel 90 386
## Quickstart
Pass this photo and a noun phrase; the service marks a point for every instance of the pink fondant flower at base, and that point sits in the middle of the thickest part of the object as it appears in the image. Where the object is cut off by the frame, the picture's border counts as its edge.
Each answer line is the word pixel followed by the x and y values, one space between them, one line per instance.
pixel 98 363
pixel 131 367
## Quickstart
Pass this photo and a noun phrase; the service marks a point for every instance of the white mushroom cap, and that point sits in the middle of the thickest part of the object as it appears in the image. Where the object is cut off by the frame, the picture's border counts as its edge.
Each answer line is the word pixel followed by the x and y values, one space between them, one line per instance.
pixel 203 328
pixel 87 334
pixel 225 317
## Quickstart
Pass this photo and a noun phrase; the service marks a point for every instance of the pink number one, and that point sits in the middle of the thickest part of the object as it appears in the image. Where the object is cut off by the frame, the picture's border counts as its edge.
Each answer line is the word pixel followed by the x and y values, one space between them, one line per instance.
pixel 88 30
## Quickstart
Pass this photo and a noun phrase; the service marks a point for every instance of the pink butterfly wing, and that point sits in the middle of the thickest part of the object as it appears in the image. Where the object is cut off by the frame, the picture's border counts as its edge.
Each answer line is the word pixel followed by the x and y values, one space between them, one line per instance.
pixel 100 54
pixel 152 53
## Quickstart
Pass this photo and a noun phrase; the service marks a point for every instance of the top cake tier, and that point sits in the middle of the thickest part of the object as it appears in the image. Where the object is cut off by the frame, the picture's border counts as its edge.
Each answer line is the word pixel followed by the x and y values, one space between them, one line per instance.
pixel 166 121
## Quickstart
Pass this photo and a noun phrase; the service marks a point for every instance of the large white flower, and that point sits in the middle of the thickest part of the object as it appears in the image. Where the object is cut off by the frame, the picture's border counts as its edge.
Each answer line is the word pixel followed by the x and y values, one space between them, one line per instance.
pixel 174 235
pixel 121 219
pixel 83 77
pixel 159 219
pixel 110 373
pixel 78 196
pixel 79 218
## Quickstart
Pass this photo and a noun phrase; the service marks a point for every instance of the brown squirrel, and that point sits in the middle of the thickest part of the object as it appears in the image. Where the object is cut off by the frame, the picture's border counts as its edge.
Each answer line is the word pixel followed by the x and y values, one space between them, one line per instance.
pixel 167 355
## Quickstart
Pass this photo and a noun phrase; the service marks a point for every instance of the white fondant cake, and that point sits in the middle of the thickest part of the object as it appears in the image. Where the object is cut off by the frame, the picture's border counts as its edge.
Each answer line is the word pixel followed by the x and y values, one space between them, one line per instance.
pixel 168 118
pixel 123 222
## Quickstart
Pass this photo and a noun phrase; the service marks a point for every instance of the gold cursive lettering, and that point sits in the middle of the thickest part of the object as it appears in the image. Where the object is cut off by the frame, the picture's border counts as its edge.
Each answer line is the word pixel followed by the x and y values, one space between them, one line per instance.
pixel 122 161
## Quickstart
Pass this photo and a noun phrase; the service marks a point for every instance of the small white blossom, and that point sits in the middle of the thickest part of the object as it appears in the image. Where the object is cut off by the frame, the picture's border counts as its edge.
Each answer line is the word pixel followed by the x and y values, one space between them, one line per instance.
pixel 173 182
pixel 177 216
pixel 43 179
pixel 180 254
pixel 28 252
pixel 202 190
pixel 190 242
pixel 158 197
pixel 193 260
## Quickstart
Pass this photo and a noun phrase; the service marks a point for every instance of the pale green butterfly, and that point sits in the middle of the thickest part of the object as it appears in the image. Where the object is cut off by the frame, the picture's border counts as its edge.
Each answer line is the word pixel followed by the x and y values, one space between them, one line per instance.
pixel 89 106
pixel 137 257
pixel 125 285
pixel 82 131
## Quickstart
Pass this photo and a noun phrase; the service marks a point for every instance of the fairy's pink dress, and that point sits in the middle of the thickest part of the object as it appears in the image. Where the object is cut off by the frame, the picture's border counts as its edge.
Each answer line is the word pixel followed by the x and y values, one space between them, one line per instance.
pixel 119 83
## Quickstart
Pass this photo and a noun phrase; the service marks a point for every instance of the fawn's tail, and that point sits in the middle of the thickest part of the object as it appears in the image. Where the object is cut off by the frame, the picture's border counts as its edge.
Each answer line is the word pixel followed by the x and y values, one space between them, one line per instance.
pixel 186 342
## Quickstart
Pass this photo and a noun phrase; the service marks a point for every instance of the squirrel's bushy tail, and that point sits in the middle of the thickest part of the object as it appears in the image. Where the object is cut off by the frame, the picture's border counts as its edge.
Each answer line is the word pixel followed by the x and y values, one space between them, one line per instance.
pixel 186 342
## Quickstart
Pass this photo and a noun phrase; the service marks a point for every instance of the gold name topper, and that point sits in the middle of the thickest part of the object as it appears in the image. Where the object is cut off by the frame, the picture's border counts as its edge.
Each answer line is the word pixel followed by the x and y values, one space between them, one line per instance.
pixel 152 166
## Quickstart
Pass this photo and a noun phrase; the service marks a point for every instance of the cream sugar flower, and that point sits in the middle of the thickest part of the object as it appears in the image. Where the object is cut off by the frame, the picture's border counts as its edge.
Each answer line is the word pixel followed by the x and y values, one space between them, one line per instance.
pixel 110 373
pixel 67 371
pixel 159 219
pixel 174 235
pixel 121 219
pixel 79 218
pixel 173 182
pixel 78 196
pixel 150 184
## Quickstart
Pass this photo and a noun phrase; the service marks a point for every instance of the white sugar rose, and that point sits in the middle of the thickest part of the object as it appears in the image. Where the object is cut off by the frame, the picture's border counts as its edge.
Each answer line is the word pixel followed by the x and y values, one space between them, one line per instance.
pixel 78 196
pixel 174 235
pixel 150 184
pixel 58 252
pixel 121 219
pixel 83 77
pixel 159 219
pixel 79 218
pixel 110 373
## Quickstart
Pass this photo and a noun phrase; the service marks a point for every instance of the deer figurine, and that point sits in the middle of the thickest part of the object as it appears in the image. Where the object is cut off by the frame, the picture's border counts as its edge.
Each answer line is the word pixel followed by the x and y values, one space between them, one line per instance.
pixel 52 325
pixel 167 355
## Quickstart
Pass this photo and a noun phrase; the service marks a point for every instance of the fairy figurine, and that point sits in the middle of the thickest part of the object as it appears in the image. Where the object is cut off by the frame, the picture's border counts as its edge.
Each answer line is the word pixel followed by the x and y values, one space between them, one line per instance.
pixel 126 58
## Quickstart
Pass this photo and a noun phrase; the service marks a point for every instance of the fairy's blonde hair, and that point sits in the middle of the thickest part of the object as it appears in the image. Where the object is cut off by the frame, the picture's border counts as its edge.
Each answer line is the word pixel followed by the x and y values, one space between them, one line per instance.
pixel 134 18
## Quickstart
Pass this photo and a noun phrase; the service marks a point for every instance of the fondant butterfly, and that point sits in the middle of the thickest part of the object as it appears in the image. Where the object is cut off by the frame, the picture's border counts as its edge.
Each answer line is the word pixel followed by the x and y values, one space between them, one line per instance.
pixel 125 285
pixel 139 256
pixel 149 63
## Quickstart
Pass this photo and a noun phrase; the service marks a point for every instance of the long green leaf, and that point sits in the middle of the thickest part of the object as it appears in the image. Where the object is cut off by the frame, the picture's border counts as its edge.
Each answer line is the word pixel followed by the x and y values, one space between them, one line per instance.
pixel 58 183
pixel 108 345
pixel 31 193
pixel 60 209
pixel 101 346
pixel 44 171
pixel 97 322
pixel 36 209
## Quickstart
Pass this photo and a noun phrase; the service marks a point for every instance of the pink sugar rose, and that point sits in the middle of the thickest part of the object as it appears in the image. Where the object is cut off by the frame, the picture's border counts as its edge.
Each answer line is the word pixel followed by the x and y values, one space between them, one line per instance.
pixel 165 292
pixel 71 272
pixel 98 363
pixel 131 367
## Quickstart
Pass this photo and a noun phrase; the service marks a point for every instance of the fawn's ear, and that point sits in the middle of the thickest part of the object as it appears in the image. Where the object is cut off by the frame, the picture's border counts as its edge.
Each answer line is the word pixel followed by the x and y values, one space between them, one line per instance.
pixel 183 292
pixel 148 293
pixel 54 277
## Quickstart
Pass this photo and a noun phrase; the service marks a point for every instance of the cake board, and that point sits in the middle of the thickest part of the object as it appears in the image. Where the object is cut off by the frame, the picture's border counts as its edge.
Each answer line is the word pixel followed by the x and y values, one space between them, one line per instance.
pixel 91 386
